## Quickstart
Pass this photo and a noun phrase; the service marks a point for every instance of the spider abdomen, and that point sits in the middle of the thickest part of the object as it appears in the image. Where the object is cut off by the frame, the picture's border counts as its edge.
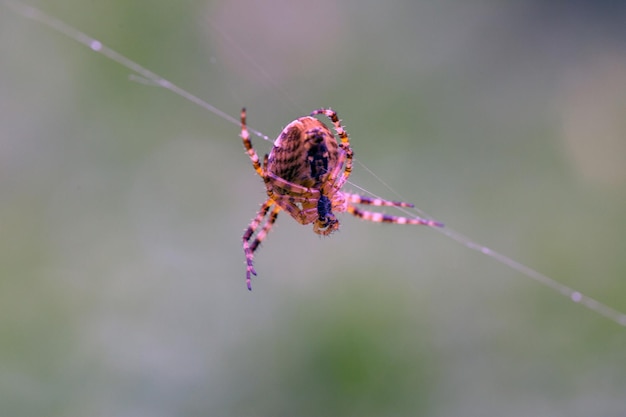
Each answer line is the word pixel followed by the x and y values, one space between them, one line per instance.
pixel 304 153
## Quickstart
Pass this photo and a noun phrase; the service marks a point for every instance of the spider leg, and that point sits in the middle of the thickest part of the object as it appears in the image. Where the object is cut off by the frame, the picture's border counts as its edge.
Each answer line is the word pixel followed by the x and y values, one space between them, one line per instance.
pixel 347 155
pixel 332 184
pixel 359 199
pixel 295 199
pixel 260 237
pixel 245 135
pixel 385 218
pixel 332 115
pixel 277 182
pixel 303 215
pixel 345 143
pixel 290 207
pixel 248 249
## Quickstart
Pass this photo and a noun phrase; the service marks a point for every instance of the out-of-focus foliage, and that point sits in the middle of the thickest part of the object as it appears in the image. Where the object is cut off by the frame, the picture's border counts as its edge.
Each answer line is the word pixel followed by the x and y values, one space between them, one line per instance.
pixel 122 207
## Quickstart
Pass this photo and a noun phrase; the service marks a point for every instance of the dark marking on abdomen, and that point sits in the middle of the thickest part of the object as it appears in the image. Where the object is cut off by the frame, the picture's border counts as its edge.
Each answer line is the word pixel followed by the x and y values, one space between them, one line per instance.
pixel 317 156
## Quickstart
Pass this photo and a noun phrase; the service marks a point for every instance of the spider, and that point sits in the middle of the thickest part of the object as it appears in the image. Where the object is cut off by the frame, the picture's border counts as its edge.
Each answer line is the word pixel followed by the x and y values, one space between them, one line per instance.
pixel 303 175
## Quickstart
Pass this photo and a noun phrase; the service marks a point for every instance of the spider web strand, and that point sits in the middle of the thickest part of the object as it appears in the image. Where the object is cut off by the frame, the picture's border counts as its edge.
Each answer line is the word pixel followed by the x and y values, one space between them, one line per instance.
pixel 95 45
pixel 145 76
pixel 562 289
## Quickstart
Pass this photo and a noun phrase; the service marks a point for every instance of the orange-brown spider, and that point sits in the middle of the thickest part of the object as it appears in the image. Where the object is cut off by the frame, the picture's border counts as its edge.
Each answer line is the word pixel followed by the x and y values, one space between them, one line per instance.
pixel 303 175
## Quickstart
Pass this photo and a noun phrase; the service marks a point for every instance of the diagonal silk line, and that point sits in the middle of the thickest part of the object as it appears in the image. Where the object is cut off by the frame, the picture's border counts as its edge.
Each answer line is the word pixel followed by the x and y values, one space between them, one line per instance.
pixel 148 77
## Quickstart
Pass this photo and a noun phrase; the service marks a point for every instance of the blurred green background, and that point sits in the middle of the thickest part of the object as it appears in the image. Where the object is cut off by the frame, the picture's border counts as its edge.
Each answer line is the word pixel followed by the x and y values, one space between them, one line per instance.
pixel 122 207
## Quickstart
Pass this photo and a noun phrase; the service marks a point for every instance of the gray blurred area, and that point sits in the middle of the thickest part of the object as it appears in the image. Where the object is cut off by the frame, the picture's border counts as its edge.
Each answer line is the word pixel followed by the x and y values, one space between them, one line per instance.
pixel 122 279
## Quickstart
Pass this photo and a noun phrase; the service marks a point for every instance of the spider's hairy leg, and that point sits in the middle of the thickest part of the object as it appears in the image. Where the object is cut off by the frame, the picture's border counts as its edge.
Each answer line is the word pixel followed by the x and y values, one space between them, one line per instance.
pixel 249 249
pixel 291 188
pixel 334 182
pixel 332 115
pixel 359 199
pixel 385 218
pixel 260 237
pixel 290 205
pixel 245 135
pixel 345 143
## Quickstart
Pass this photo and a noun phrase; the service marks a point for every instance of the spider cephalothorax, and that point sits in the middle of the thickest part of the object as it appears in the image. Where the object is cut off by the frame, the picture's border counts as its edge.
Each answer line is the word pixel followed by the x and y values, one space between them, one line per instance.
pixel 303 175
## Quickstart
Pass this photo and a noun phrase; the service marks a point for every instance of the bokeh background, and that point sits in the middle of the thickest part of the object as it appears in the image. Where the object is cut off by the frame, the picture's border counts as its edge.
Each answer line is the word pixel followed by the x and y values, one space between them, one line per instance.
pixel 122 207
